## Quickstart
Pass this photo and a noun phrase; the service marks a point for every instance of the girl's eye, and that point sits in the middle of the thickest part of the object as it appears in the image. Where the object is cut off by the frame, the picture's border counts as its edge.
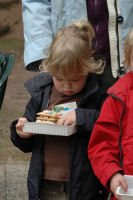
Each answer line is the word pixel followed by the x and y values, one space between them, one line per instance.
pixel 76 80
pixel 58 79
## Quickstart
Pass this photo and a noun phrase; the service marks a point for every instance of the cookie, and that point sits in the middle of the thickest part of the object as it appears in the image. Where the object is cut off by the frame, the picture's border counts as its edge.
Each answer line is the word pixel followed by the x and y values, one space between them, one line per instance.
pixel 45 122
pixel 48 116
pixel 47 113
pixel 47 119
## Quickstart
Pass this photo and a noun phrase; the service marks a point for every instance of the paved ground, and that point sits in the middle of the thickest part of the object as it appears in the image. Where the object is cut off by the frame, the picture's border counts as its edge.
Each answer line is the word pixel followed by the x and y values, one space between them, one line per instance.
pixel 13 179
pixel 13 162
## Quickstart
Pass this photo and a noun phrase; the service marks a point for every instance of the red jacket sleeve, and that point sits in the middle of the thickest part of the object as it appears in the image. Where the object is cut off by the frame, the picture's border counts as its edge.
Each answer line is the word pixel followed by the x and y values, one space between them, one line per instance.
pixel 103 149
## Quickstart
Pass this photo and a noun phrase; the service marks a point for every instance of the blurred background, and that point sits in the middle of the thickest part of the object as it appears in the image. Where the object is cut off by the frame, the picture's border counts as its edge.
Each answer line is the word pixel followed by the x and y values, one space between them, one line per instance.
pixel 13 163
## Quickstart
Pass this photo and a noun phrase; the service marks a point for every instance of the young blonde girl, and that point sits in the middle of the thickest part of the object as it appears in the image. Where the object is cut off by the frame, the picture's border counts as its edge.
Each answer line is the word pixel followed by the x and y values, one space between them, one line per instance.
pixel 59 167
pixel 112 138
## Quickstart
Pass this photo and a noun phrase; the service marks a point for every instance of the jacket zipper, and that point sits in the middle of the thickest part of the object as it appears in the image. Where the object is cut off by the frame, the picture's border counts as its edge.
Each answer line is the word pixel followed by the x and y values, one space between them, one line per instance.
pixel 120 142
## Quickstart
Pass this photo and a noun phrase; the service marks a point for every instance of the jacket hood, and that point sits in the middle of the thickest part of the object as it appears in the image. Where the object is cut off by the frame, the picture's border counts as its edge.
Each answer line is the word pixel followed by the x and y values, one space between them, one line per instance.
pixel 36 84
pixel 122 86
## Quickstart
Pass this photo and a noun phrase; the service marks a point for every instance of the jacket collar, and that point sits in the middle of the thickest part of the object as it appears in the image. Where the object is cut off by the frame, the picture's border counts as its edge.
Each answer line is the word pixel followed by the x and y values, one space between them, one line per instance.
pixel 91 87
pixel 122 86
pixel 36 84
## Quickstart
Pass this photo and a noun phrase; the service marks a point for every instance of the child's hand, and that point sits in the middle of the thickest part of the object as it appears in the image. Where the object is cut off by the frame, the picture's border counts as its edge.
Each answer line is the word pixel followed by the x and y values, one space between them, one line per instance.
pixel 67 119
pixel 115 181
pixel 19 129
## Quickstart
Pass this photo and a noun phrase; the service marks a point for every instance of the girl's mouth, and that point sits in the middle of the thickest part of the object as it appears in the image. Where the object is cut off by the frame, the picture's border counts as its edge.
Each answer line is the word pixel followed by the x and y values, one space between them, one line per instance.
pixel 68 93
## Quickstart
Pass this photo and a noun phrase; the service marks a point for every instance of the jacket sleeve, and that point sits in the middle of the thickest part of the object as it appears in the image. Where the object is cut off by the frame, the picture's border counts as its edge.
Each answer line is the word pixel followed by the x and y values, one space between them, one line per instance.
pixel 24 145
pixel 103 148
pixel 37 30
pixel 86 118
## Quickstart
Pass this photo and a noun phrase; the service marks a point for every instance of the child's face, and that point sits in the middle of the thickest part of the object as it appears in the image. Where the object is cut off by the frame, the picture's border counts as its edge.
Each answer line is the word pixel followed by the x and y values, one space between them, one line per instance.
pixel 71 85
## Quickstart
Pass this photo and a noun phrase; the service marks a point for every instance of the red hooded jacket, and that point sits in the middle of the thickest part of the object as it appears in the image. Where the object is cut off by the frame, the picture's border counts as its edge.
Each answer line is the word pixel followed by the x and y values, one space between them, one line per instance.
pixel 111 145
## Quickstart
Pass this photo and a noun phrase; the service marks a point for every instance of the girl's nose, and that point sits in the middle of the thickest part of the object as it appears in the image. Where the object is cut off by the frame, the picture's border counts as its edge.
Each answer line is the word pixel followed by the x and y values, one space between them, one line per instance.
pixel 67 84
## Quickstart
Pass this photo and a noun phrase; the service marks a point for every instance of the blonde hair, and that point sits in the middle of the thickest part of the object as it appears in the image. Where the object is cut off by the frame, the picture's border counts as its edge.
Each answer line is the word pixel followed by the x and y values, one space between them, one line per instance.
pixel 71 51
pixel 127 47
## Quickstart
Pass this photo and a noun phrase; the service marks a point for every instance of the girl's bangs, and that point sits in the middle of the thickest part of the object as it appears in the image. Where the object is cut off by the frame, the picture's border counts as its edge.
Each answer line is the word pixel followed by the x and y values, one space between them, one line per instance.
pixel 65 65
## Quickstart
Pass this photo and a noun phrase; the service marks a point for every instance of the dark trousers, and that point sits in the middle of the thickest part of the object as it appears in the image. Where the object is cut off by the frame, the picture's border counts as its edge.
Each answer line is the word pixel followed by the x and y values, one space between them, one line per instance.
pixel 54 190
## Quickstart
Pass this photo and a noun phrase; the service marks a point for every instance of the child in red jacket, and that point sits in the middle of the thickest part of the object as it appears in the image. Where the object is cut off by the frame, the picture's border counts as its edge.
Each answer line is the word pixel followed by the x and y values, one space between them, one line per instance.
pixel 111 143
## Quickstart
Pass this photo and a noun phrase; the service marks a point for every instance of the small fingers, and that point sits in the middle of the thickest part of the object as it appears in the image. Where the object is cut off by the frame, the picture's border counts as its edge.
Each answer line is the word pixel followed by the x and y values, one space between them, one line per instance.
pixel 124 184
pixel 22 120
pixel 115 194
pixel 64 121
pixel 19 129
pixel 61 121
pixel 118 180
pixel 67 119
pixel 19 126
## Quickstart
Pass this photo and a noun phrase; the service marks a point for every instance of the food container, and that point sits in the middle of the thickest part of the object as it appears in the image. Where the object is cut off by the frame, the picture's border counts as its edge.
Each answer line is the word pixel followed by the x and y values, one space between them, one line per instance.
pixel 49 129
pixel 129 194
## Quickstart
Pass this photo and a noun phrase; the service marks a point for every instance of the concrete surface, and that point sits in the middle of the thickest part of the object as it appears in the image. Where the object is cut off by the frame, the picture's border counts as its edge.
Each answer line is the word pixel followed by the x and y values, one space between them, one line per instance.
pixel 13 181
